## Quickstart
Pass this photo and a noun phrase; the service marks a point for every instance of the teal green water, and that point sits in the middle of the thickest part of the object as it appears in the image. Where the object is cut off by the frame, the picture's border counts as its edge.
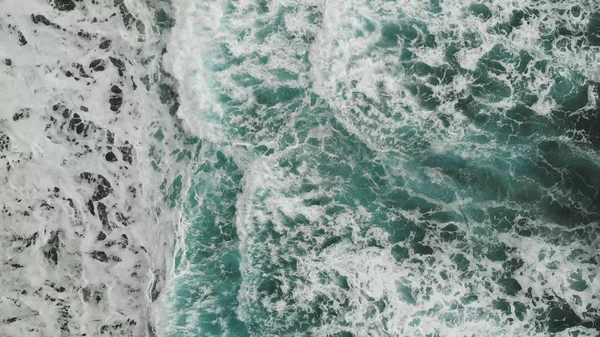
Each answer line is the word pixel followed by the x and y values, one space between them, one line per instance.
pixel 394 169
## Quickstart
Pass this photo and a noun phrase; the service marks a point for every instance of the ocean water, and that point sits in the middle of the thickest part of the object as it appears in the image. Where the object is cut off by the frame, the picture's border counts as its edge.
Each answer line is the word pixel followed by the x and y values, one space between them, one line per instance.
pixel 192 168
pixel 388 168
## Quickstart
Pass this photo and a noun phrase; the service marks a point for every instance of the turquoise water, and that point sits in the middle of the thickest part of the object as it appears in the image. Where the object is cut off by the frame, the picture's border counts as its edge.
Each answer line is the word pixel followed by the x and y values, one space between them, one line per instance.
pixel 391 169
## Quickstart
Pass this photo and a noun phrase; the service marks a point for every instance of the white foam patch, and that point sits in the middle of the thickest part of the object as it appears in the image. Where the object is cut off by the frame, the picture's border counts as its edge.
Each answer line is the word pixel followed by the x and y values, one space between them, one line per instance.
pixel 191 37
pixel 86 238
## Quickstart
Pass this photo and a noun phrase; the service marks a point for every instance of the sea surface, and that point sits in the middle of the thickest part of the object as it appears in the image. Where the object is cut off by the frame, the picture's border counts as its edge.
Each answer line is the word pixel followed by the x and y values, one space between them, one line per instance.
pixel 342 168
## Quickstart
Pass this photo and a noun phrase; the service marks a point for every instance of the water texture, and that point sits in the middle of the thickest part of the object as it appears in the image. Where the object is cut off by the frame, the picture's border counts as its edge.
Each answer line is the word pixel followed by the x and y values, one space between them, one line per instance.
pixel 192 168
pixel 86 238
pixel 388 168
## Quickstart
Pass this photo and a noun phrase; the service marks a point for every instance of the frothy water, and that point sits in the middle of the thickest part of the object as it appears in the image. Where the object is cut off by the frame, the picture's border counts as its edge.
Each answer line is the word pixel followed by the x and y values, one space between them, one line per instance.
pixel 388 168
pixel 85 131
pixel 300 168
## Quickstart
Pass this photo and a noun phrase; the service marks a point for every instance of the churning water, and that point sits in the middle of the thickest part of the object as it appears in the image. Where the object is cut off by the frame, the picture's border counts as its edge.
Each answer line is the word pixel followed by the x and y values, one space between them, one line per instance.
pixel 300 168
pixel 388 168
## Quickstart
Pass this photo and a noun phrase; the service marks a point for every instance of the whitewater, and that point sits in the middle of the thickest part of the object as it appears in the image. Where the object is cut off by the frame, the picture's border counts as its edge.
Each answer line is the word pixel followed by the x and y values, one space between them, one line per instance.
pixel 266 168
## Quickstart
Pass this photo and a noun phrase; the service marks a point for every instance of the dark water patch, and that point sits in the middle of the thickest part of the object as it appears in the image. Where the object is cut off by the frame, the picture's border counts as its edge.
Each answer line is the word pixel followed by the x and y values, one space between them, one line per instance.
pixel 126 152
pixel 481 11
pixel 64 5
pixel 102 186
pixel 97 65
pixel 119 64
pixel 21 114
pixel 110 157
pixel 593 29
pixel 559 317
pixel 155 287
pixel 22 39
pixel 105 44
pixel 99 255
pixel 52 248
